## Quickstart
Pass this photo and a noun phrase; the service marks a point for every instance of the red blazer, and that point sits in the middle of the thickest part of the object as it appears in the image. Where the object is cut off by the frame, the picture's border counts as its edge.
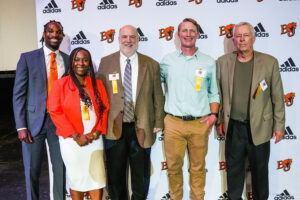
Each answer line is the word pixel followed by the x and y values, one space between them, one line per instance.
pixel 64 106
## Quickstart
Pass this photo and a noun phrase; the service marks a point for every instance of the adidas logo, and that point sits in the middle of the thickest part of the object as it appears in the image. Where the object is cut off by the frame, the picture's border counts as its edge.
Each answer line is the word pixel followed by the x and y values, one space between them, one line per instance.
pixel 260 31
pixel 166 197
pixel 51 8
pixel 166 3
pixel 288 134
pixel 224 196
pixel 284 195
pixel 107 4
pixel 202 34
pixel 289 66
pixel 80 39
pixel 143 38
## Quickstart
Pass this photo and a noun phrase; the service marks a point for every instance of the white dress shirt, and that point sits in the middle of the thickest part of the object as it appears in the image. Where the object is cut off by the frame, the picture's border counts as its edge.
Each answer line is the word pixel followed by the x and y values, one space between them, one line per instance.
pixel 59 62
pixel 134 71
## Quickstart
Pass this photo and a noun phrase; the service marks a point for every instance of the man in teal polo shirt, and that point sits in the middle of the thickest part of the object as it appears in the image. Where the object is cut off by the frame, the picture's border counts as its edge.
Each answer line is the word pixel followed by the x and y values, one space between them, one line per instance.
pixel 192 103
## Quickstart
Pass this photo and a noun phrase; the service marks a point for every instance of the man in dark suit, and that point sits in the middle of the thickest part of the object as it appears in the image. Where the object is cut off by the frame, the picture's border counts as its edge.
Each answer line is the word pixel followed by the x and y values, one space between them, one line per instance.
pixel 252 111
pixel 36 71
pixel 132 82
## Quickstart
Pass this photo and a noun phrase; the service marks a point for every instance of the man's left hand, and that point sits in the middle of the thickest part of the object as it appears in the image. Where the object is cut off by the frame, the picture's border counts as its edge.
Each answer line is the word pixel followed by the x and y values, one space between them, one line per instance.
pixel 278 135
pixel 210 120
pixel 156 130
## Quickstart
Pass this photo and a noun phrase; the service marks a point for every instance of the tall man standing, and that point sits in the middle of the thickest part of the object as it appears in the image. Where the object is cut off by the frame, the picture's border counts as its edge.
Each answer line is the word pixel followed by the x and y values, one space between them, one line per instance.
pixel 252 111
pixel 192 102
pixel 35 74
pixel 132 82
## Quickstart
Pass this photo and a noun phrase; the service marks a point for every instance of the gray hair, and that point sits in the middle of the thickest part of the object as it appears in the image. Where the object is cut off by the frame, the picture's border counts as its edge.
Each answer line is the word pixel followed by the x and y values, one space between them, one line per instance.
pixel 126 26
pixel 244 24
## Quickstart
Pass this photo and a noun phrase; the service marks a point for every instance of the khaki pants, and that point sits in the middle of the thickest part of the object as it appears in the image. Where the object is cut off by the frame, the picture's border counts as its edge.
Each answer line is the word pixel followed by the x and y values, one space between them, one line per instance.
pixel 179 135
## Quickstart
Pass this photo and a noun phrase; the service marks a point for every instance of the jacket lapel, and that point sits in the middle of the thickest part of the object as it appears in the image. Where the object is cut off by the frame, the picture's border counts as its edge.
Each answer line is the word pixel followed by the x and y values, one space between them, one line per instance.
pixel 231 64
pixel 43 65
pixel 141 73
pixel 66 61
pixel 255 74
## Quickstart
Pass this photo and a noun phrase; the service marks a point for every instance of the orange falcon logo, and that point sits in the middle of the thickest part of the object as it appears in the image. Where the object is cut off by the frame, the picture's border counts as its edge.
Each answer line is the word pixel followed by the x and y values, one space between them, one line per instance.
pixel 137 3
pixel 289 98
pixel 285 164
pixel 259 0
pixel 79 4
pixel 108 35
pixel 196 1
pixel 226 30
pixel 288 29
pixel 166 33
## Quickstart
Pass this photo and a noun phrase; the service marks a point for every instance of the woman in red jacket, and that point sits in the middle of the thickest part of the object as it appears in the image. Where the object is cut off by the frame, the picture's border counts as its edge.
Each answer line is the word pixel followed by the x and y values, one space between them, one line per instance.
pixel 79 106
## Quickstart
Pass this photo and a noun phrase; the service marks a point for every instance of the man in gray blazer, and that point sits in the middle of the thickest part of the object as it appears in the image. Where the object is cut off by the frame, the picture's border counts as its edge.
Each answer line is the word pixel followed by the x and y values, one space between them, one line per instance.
pixel 251 111
pixel 33 121
pixel 132 82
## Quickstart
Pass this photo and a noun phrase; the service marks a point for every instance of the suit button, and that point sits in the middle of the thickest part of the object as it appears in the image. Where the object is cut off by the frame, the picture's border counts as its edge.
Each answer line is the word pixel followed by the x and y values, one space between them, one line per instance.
pixel 121 111
pixel 228 116
pixel 122 97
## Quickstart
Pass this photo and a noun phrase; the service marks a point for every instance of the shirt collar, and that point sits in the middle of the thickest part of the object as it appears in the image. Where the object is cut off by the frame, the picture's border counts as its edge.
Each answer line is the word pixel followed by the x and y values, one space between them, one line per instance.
pixel 196 54
pixel 124 58
pixel 47 51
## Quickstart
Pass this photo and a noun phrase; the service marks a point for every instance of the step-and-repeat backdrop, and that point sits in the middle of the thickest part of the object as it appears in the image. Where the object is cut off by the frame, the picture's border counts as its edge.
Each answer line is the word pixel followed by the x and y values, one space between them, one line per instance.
pixel 95 24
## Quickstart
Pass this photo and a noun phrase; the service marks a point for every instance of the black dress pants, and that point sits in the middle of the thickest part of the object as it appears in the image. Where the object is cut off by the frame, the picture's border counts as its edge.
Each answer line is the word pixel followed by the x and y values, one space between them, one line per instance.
pixel 239 146
pixel 118 154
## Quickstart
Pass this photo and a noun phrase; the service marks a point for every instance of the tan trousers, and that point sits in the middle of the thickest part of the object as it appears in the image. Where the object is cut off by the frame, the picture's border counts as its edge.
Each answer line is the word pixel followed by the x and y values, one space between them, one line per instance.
pixel 179 135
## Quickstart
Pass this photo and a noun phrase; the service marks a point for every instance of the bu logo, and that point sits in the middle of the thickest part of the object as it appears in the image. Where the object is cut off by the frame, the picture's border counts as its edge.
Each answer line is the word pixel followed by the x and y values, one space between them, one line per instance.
pixel 222 165
pixel 108 35
pixel 289 29
pixel 196 1
pixel 137 3
pixel 164 165
pixel 284 164
pixel 79 4
pixel 289 98
pixel 226 30
pixel 259 0
pixel 166 33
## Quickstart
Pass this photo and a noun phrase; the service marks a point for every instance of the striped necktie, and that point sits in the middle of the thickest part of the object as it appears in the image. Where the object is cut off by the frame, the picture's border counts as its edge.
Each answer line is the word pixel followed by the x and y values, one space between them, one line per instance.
pixel 128 104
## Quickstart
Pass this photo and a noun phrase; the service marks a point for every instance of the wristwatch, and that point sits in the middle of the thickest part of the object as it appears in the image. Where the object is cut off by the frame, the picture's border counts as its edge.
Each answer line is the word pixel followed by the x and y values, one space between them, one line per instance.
pixel 215 114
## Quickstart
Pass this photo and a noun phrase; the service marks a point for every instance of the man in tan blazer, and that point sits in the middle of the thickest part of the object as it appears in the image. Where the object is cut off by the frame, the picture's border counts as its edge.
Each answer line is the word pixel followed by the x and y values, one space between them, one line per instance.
pixel 132 82
pixel 251 111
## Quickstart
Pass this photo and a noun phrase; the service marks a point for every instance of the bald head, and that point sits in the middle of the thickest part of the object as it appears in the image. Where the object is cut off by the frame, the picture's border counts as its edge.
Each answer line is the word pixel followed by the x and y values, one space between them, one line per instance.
pixel 128 40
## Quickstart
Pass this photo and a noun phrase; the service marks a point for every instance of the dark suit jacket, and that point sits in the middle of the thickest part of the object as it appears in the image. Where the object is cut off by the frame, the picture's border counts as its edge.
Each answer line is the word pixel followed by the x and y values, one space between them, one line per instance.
pixel 64 106
pixel 267 112
pixel 30 90
pixel 149 105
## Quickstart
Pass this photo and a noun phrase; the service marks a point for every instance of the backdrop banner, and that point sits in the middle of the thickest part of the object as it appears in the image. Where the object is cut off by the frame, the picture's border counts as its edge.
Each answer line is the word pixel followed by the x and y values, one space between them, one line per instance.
pixel 95 24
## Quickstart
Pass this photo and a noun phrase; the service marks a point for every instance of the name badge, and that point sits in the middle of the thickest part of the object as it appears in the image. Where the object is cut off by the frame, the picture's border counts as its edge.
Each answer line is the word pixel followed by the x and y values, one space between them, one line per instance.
pixel 112 77
pixel 263 85
pixel 201 73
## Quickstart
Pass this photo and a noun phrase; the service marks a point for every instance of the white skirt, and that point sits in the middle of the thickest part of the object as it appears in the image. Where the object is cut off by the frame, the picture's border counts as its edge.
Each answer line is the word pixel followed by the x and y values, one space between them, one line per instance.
pixel 84 165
